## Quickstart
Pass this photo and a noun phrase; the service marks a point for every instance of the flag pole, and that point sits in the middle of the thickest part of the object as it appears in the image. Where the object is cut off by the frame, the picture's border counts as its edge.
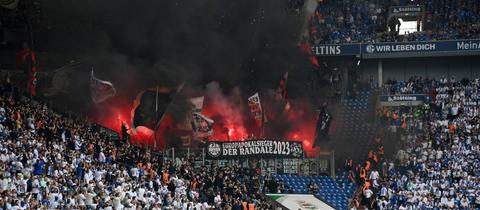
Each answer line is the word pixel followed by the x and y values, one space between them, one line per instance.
pixel 156 121
pixel 262 132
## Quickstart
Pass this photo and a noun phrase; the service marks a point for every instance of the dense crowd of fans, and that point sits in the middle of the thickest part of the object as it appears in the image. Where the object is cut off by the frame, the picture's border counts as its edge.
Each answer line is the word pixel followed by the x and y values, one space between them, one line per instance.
pixel 345 22
pixel 362 21
pixel 48 161
pixel 437 164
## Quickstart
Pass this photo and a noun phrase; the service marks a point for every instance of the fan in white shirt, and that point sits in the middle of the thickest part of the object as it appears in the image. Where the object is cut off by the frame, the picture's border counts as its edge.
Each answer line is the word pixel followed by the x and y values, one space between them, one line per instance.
pixel 374 175
pixel 367 193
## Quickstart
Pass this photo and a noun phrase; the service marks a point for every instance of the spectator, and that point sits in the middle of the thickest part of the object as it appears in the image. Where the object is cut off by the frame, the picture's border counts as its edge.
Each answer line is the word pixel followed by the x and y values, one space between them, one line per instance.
pixel 436 164
pixel 50 162
pixel 361 21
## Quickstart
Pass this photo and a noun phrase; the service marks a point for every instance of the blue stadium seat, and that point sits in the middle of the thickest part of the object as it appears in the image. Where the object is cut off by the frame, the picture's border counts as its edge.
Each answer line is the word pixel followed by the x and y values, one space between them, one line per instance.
pixel 335 191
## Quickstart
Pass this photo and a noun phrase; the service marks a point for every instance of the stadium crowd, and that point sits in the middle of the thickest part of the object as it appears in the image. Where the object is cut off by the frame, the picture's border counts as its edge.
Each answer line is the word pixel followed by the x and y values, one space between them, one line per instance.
pixel 48 161
pixel 437 164
pixel 361 21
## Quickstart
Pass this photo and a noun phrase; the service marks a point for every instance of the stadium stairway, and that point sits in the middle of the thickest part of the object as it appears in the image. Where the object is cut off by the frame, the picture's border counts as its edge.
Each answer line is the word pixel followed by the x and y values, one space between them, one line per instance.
pixel 354 135
pixel 355 126
pixel 334 191
pixel 345 185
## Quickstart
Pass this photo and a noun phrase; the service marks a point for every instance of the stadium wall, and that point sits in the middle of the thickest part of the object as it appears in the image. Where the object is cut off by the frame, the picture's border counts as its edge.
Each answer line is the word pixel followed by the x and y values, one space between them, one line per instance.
pixel 433 67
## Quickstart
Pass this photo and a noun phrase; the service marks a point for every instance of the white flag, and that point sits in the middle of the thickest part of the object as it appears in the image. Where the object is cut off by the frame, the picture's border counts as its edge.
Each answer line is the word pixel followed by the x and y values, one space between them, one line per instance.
pixel 256 108
pixel 101 90
pixel 202 126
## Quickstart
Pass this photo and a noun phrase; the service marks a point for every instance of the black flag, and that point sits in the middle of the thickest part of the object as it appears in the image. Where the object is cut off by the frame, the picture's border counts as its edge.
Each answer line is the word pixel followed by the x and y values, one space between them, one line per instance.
pixel 151 104
pixel 323 125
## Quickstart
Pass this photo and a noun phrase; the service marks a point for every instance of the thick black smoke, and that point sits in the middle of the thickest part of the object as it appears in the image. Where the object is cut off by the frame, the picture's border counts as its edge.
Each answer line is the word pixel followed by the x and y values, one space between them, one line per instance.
pixel 140 44
pixel 242 47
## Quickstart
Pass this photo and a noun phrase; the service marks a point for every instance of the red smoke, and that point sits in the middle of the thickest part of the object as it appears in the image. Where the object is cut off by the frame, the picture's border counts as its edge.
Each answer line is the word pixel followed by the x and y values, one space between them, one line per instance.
pixel 233 120
pixel 303 119
pixel 228 112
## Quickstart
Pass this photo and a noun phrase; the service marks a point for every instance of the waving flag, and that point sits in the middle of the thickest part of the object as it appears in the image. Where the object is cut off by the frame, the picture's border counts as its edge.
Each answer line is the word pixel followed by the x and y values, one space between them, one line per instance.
pixel 101 90
pixel 307 48
pixel 314 61
pixel 149 107
pixel 256 108
pixel 202 126
pixel 32 82
pixel 282 88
